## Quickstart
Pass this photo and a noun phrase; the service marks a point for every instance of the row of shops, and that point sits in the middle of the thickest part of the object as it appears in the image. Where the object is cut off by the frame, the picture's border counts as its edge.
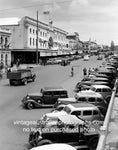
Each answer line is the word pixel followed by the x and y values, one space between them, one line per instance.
pixel 29 40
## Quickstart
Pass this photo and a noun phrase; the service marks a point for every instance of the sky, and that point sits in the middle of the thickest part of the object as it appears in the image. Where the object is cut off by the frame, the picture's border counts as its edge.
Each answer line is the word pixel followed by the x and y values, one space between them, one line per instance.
pixel 95 20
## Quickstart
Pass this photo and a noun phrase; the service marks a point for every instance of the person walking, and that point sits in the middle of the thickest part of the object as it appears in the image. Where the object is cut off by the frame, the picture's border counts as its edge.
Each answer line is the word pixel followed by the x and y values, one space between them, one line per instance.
pixel 89 71
pixel 84 72
pixel 72 71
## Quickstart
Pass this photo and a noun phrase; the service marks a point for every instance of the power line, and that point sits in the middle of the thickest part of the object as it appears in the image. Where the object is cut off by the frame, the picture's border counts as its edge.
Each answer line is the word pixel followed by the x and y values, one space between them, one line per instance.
pixel 39 5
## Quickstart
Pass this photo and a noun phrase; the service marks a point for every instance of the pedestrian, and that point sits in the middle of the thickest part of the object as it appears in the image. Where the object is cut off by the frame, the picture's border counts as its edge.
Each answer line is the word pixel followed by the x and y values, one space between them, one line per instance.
pixel 84 72
pixel 72 71
pixel 89 71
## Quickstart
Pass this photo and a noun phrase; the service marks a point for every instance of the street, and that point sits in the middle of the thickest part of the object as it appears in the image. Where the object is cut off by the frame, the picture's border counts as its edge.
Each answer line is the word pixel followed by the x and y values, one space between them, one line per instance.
pixel 14 134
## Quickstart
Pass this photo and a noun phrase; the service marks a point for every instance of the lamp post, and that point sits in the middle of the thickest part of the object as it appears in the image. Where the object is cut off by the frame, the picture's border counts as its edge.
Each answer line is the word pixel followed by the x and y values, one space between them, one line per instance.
pixel 37 41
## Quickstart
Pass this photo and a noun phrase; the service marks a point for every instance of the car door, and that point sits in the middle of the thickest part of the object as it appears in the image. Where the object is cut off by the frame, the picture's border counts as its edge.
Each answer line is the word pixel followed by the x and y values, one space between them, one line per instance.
pixel 47 97
pixel 55 96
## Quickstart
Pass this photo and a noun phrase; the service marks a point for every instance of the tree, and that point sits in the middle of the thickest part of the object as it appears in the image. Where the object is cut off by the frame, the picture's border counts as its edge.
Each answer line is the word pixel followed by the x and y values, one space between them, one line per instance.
pixel 112 46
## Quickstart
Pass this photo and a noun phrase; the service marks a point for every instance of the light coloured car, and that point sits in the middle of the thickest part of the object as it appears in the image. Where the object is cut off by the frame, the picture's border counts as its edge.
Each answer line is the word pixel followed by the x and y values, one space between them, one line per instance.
pixel 86 57
pixel 83 110
pixel 104 90
pixel 94 98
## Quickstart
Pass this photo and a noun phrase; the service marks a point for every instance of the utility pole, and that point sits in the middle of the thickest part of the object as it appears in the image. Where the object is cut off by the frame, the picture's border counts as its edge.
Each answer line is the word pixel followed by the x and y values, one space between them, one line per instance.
pixel 37 41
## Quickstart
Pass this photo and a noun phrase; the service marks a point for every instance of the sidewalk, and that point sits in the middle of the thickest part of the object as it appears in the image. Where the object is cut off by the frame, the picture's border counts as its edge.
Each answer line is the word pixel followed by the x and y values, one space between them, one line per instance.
pixel 112 136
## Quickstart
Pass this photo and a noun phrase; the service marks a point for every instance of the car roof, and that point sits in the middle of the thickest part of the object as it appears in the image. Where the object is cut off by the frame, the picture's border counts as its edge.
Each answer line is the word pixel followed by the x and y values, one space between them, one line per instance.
pixel 88 93
pixel 81 106
pixel 53 88
pixel 67 99
pixel 101 75
pixel 54 146
pixel 104 70
pixel 101 86
pixel 100 78
pixel 70 119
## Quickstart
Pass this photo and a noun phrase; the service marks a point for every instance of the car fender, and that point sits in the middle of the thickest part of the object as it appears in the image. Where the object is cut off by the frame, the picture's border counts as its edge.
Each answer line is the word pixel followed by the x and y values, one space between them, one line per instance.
pixel 35 103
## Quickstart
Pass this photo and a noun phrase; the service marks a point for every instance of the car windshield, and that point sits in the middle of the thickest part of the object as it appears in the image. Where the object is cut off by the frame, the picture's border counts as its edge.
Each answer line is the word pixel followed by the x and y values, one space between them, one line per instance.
pixel 67 109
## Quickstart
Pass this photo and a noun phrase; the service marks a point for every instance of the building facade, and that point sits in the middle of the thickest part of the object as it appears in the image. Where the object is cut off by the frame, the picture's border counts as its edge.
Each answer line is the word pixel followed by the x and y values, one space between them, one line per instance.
pixel 5 52
pixel 30 38
pixel 74 42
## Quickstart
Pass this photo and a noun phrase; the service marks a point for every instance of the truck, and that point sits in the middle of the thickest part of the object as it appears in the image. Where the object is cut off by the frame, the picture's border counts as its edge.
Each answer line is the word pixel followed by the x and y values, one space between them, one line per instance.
pixel 21 76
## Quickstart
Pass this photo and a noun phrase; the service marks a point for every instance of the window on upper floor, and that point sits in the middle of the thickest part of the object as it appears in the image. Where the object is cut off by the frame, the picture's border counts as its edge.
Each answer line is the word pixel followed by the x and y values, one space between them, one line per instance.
pixel 41 33
pixel 33 31
pixel 30 41
pixel 33 41
pixel 30 30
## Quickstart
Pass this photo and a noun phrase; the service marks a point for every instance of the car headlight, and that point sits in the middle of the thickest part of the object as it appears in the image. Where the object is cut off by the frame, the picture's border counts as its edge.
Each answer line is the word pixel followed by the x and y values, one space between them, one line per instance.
pixel 27 97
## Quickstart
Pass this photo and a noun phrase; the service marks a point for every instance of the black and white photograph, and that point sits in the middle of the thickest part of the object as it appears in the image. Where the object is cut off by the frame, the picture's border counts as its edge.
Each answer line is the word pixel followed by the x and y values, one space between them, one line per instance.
pixel 58 74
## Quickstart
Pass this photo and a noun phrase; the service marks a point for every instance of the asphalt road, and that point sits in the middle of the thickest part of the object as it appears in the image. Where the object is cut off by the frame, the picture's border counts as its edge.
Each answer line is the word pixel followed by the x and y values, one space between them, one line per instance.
pixel 14 129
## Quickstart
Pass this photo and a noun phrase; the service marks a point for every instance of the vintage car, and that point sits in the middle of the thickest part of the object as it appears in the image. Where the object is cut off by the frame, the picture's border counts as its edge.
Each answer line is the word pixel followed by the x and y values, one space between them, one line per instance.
pixel 83 110
pixel 47 97
pixel 104 90
pixel 67 129
pixel 100 57
pixel 86 57
pixel 89 96
pixel 65 62
pixel 86 85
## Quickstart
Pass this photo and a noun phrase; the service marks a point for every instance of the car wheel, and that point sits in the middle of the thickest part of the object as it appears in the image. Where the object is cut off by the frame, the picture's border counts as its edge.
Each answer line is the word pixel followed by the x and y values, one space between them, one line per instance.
pixel 10 82
pixel 30 105
pixel 92 143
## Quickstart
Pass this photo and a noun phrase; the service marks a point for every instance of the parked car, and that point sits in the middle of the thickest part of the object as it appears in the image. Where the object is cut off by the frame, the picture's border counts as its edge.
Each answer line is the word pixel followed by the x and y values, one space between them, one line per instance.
pixel 107 72
pixel 84 96
pixel 86 85
pixel 96 79
pixel 104 90
pixel 93 97
pixel 65 62
pixel 86 58
pixel 100 57
pixel 83 110
pixel 47 97
pixel 68 129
